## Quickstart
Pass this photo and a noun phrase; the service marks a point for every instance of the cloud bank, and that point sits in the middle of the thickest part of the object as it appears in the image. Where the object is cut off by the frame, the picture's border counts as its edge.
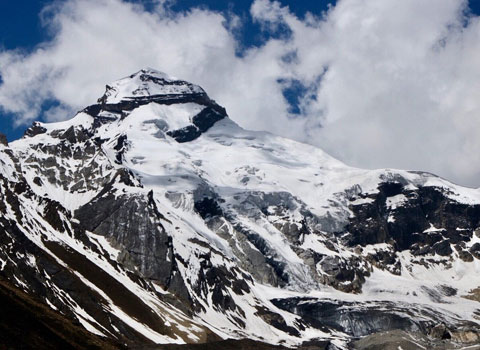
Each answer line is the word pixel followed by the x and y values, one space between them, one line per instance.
pixel 378 83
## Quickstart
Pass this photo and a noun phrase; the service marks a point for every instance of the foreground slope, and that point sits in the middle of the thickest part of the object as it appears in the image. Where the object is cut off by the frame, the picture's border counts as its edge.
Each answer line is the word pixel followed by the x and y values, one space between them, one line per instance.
pixel 151 217
pixel 27 323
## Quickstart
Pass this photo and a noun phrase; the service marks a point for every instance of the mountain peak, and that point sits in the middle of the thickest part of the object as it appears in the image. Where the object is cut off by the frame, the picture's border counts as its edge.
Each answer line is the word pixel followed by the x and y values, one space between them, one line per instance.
pixel 154 73
pixel 145 84
pixel 198 112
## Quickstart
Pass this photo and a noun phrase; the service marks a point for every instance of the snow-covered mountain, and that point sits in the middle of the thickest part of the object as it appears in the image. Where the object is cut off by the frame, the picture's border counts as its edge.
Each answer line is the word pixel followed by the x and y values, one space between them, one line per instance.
pixel 151 217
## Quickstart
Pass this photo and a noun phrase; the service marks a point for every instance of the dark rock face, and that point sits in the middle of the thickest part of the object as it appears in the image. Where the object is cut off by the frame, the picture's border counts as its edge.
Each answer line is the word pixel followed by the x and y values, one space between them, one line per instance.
pixel 427 222
pixel 207 208
pixel 440 332
pixel 186 134
pixel 132 103
pixel 424 221
pixel 409 223
pixel 35 129
pixel 475 250
pixel 201 123
pixel 3 139
pixel 346 275
pixel 277 321
pixel 128 223
pixel 345 317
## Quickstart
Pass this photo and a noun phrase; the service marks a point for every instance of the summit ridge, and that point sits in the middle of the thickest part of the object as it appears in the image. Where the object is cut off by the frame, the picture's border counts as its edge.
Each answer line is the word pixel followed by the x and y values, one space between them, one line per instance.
pixel 147 82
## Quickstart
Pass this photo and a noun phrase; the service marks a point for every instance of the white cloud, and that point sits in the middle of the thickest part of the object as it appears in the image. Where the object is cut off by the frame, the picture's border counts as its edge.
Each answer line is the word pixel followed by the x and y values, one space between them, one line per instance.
pixel 394 83
pixel 57 113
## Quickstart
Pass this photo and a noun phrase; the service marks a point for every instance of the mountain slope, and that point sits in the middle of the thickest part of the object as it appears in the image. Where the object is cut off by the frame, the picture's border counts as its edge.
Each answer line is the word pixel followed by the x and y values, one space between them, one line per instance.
pixel 26 323
pixel 151 217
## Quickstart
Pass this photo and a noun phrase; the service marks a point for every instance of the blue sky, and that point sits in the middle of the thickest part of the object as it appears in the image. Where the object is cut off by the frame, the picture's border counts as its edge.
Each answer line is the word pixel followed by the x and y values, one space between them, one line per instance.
pixel 375 83
pixel 20 25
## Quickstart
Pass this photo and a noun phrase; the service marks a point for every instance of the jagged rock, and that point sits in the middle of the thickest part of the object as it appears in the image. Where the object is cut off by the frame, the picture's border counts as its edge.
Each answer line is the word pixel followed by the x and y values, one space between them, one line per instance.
pixel 3 139
pixel 465 256
pixel 440 331
pixel 466 335
pixel 201 123
pixel 35 129
pixel 475 250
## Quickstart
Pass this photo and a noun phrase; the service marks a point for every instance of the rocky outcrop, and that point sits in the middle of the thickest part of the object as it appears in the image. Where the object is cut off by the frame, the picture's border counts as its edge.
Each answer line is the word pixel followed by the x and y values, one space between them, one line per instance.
pixel 3 139
pixel 200 124
pixel 352 320
pixel 35 129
